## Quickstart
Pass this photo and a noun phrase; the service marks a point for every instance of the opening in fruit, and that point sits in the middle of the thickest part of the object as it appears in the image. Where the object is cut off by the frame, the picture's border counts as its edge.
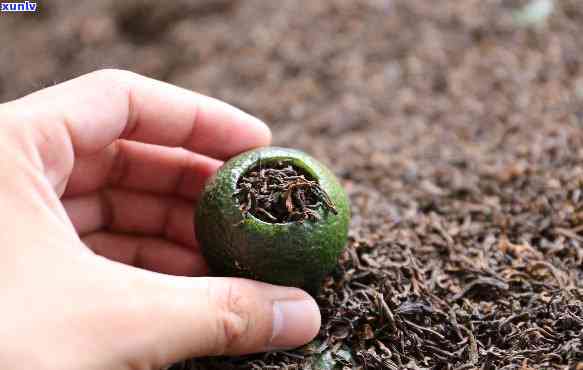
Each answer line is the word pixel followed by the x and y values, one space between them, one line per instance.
pixel 281 192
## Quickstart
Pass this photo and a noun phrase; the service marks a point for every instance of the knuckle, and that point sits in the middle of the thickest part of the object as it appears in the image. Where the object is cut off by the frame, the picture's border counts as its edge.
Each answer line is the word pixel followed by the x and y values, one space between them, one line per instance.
pixel 233 317
pixel 112 74
pixel 117 81
pixel 119 78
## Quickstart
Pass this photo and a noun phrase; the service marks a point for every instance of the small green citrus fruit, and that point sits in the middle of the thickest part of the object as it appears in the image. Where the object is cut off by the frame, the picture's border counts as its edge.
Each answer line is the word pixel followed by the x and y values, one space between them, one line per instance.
pixel 273 214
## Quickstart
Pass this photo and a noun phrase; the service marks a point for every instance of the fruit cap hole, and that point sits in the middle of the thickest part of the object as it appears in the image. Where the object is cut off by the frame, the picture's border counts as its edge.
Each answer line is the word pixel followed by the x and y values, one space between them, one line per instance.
pixel 281 191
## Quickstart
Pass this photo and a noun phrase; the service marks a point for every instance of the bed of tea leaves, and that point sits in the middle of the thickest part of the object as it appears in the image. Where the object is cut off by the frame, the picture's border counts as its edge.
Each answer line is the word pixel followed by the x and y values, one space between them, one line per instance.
pixel 455 126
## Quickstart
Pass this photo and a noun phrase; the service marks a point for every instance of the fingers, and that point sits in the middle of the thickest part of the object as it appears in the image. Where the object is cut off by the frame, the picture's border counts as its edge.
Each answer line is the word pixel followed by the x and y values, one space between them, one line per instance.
pixel 84 115
pixel 139 166
pixel 153 254
pixel 179 318
pixel 132 212
pixel 244 316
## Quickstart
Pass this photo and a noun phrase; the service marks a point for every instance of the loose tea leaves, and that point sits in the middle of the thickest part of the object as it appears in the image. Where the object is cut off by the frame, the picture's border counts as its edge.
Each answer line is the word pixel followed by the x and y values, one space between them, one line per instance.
pixel 280 193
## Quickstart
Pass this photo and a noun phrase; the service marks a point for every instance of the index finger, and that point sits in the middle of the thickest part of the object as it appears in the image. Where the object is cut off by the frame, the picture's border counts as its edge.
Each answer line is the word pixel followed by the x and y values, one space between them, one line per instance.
pixel 100 107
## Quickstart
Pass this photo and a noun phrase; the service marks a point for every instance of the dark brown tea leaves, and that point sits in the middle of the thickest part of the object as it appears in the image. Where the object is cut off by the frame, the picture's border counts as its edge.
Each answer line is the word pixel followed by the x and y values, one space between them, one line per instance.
pixel 280 193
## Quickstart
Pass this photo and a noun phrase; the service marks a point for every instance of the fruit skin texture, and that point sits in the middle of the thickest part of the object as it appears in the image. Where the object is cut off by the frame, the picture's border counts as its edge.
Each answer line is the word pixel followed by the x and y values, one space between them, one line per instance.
pixel 291 254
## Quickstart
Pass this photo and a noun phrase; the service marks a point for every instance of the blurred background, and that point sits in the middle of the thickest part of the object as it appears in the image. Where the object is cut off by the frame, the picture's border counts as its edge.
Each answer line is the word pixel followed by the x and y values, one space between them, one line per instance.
pixel 405 99
pixel 448 110
pixel 351 80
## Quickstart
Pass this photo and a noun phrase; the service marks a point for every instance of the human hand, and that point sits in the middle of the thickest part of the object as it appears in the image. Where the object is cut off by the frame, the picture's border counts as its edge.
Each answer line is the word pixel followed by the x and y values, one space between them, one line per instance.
pixel 110 165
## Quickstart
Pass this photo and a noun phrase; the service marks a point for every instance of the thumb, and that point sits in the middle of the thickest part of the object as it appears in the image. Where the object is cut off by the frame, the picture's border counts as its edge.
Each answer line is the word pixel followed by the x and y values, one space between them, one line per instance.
pixel 175 318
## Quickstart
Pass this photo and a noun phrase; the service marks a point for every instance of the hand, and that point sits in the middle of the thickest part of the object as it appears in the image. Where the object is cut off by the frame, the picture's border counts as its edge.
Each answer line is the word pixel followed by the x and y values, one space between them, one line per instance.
pixel 98 178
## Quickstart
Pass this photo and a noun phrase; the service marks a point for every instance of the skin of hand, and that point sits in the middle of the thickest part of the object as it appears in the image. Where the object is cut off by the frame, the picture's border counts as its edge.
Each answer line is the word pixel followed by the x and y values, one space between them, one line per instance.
pixel 100 264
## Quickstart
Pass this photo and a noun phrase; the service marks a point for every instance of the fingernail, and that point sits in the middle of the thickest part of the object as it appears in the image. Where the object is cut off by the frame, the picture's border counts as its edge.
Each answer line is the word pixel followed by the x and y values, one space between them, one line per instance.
pixel 295 322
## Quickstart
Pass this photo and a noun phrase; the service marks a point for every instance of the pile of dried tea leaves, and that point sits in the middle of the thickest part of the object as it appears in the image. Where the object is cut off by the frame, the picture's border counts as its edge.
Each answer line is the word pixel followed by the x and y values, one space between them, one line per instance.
pixel 280 192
